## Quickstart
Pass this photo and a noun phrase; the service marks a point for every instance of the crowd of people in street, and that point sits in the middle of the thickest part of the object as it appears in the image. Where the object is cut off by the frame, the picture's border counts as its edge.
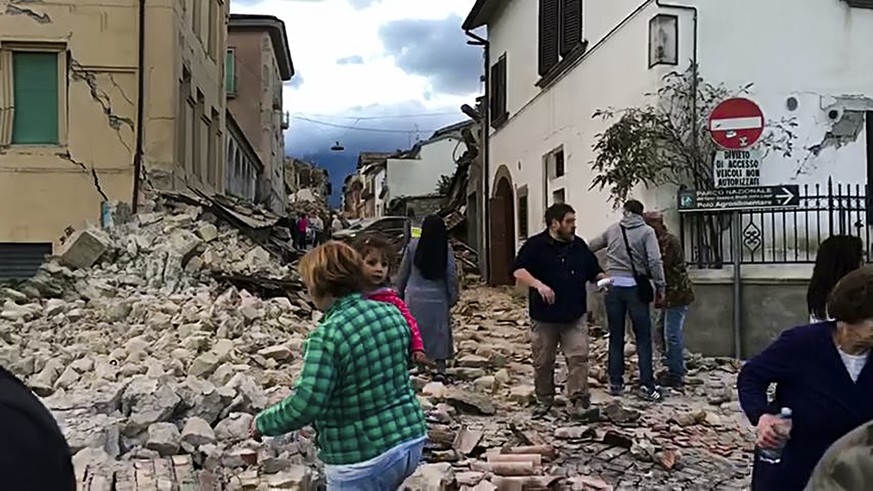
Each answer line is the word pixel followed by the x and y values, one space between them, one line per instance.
pixel 814 432
pixel 310 231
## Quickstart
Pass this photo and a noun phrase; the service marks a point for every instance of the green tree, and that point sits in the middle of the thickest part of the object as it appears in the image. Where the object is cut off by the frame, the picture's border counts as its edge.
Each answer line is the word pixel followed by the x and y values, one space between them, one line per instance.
pixel 667 140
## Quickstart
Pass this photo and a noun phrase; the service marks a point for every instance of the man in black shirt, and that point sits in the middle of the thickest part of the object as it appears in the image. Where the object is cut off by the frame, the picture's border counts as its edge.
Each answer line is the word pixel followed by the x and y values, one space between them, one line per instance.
pixel 33 452
pixel 556 266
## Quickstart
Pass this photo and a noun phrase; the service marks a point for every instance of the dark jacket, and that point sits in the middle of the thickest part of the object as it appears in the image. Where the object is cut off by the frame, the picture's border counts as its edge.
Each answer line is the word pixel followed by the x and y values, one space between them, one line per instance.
pixel 680 292
pixel 812 380
pixel 33 451
pixel 566 268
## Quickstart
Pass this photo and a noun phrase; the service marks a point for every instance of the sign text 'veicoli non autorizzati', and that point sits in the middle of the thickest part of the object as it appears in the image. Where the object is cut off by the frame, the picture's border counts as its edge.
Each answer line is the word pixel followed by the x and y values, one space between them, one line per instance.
pixel 737 168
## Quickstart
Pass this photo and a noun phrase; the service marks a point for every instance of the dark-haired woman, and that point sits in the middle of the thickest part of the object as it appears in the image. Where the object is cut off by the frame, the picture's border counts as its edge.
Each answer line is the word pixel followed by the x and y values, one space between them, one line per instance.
pixel 837 256
pixel 823 374
pixel 429 285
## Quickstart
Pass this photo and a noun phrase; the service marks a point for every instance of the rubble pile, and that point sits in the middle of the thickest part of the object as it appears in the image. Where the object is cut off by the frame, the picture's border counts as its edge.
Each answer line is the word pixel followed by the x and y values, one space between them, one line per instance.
pixel 141 353
pixel 155 343
pixel 482 437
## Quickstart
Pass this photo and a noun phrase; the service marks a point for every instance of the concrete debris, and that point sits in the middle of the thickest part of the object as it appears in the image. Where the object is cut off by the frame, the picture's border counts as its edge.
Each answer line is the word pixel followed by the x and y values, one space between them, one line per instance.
pixel 156 344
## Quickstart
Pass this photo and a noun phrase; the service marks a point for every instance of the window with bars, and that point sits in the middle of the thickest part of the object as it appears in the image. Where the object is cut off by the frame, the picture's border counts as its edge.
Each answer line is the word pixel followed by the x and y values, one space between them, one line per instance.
pixel 560 32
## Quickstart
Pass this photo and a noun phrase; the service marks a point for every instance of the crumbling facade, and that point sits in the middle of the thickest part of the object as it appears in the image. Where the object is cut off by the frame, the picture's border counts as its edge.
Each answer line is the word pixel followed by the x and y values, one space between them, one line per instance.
pixel 258 63
pixel 74 127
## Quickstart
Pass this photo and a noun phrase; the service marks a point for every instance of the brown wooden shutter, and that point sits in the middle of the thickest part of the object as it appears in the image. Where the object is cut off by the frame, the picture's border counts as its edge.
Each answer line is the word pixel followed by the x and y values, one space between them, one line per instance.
pixel 498 92
pixel 571 25
pixel 549 33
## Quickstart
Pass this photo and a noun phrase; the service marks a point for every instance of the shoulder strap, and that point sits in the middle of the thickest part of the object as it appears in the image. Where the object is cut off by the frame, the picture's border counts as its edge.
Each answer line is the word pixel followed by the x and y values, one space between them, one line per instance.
pixel 627 247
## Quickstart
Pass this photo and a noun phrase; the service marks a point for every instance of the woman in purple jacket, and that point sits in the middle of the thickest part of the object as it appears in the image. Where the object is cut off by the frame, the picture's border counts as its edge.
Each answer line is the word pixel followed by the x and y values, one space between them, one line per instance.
pixel 822 374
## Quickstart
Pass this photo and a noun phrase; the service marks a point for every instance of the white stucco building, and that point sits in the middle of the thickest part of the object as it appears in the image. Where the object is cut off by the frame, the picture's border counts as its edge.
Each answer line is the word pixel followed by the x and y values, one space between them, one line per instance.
pixel 553 63
pixel 418 171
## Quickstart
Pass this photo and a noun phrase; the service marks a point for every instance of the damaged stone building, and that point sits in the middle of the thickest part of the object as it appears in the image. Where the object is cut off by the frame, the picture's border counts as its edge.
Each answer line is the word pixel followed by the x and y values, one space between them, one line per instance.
pixel 87 104
pixel 258 62
pixel 304 181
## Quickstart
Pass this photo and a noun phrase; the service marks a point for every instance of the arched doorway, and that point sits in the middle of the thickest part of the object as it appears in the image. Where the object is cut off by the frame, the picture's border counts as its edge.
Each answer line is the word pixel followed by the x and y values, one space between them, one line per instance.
pixel 502 229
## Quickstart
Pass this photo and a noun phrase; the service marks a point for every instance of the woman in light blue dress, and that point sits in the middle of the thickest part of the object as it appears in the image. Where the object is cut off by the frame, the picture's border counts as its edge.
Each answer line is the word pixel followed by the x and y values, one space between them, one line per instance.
pixel 429 285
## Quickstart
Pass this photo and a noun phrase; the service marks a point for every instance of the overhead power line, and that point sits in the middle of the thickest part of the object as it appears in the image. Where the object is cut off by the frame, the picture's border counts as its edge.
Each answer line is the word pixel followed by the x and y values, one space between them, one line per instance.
pixel 368 118
pixel 359 128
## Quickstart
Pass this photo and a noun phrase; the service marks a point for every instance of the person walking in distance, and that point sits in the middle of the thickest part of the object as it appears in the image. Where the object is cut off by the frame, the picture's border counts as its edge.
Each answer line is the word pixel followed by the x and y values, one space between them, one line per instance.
pixel 556 265
pixel 317 226
pixel 679 295
pixel 633 261
pixel 428 282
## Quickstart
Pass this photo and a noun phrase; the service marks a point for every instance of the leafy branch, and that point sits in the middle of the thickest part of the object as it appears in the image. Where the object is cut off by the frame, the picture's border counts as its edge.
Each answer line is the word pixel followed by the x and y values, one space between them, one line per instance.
pixel 667 140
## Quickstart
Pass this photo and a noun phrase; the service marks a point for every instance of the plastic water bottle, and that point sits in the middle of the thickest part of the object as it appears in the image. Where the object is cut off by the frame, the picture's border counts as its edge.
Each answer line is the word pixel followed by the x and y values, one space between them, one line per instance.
pixel 774 456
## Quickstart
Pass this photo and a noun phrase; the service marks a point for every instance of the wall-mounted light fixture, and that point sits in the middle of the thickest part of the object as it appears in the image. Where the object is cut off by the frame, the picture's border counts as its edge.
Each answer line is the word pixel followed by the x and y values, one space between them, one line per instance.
pixel 664 40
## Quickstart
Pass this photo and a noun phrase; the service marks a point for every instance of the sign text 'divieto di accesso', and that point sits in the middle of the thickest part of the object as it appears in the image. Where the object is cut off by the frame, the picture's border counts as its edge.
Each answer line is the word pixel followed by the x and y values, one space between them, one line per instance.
pixel 739 198
pixel 737 168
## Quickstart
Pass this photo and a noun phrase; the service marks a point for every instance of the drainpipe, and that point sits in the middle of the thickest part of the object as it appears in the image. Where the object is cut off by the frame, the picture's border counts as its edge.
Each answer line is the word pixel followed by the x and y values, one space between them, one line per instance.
pixel 485 139
pixel 140 107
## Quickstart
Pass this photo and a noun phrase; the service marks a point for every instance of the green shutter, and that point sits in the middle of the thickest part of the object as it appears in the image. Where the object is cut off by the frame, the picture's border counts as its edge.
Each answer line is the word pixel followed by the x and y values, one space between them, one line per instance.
pixel 230 73
pixel 35 79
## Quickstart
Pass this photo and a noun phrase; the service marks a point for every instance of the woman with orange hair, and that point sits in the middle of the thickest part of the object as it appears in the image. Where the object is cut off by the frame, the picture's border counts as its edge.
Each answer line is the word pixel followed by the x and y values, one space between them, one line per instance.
pixel 354 385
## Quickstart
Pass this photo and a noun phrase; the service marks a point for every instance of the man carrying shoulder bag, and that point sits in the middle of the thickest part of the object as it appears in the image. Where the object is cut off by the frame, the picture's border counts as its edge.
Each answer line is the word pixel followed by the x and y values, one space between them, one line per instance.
pixel 633 261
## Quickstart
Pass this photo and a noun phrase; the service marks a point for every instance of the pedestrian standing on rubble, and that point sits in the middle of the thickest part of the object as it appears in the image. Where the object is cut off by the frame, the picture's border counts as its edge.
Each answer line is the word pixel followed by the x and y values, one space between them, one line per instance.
pixel 317 226
pixel 378 256
pixel 823 375
pixel 302 231
pixel 679 295
pixel 837 256
pixel 428 282
pixel 33 451
pixel 633 261
pixel 354 385
pixel 336 224
pixel 556 266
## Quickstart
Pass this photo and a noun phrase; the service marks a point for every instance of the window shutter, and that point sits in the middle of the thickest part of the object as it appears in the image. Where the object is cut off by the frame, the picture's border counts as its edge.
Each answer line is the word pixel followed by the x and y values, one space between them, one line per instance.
pixel 571 25
pixel 548 35
pixel 495 91
pixel 498 92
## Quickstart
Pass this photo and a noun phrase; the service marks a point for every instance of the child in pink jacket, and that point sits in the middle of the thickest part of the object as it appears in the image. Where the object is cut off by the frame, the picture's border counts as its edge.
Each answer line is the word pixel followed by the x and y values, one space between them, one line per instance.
pixel 377 253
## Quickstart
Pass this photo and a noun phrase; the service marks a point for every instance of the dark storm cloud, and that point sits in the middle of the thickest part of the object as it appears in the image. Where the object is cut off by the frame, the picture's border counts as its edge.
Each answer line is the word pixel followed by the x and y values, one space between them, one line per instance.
pixel 351 60
pixel 362 4
pixel 312 141
pixel 436 49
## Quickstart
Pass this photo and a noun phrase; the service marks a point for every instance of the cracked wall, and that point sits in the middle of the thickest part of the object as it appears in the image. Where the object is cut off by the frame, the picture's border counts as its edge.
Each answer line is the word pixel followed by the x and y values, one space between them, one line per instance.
pixel 45 189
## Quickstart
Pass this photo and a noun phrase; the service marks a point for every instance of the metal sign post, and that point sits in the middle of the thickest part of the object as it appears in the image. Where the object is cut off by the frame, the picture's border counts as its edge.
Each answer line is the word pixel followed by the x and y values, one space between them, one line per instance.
pixel 737 253
pixel 735 200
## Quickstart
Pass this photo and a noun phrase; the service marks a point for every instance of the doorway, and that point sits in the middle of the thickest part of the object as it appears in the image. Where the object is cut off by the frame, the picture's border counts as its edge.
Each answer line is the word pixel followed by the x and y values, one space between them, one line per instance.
pixel 502 230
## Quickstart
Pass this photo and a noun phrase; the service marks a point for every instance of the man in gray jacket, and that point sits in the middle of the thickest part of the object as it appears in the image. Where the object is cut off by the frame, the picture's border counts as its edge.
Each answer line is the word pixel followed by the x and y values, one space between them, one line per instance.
pixel 633 261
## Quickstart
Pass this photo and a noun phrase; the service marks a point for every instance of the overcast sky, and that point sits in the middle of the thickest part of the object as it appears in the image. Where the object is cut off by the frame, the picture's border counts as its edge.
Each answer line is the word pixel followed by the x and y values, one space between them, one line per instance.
pixel 397 65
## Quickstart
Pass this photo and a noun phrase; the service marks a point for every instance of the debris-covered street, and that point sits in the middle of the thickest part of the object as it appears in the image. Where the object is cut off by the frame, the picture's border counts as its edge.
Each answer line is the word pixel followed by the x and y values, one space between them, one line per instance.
pixel 155 358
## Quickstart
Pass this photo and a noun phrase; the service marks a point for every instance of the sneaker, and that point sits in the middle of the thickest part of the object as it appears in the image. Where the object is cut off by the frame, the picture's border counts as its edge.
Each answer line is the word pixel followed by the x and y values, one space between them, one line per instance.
pixel 616 390
pixel 541 409
pixel 650 394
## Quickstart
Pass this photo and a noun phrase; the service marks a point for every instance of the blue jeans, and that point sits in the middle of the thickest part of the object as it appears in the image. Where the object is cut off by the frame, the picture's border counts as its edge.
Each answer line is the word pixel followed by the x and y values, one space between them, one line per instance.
pixel 674 344
pixel 383 473
pixel 621 302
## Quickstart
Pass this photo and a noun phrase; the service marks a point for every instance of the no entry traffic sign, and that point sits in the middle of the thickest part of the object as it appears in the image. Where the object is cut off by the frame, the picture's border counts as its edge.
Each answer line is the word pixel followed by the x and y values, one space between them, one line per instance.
pixel 736 124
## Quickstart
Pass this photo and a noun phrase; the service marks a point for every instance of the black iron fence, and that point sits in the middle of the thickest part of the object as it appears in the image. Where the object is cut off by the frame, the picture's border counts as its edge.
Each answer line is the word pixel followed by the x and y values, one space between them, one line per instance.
pixel 780 235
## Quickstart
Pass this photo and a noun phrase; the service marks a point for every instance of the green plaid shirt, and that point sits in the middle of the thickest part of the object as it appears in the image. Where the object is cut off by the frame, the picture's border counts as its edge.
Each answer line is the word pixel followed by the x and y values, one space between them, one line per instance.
pixel 354 385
